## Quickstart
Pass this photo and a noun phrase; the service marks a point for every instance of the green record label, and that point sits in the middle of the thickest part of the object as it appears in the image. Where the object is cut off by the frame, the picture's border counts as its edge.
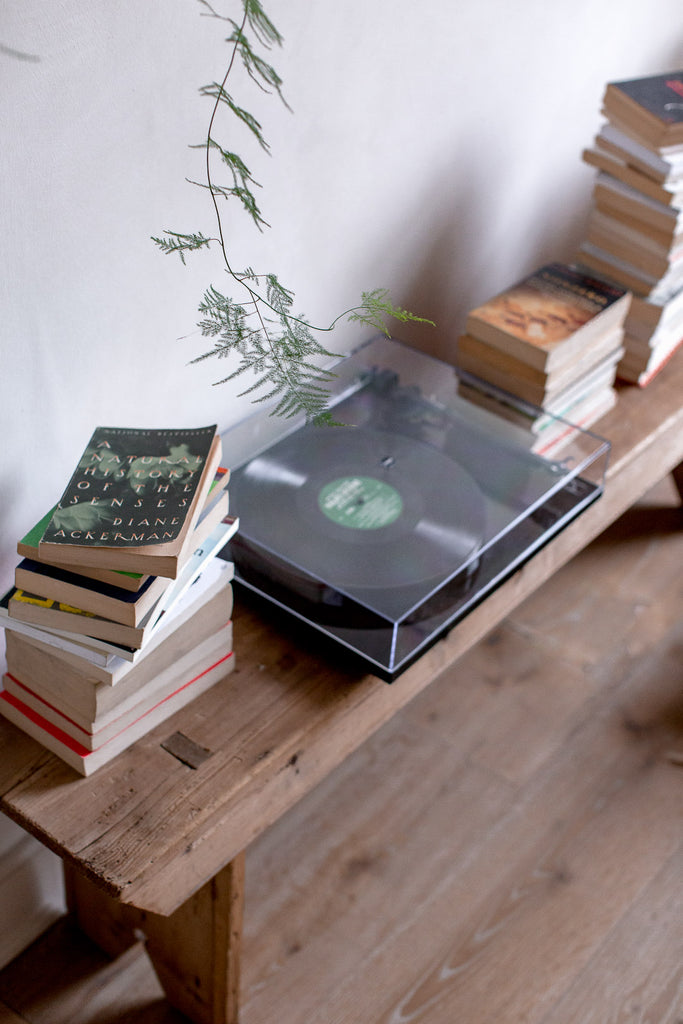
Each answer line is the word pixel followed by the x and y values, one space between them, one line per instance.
pixel 360 502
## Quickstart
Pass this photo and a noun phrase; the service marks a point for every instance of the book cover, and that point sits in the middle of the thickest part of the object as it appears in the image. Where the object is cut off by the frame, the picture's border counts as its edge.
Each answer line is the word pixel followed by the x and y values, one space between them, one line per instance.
pixel 28 548
pixel 545 318
pixel 659 96
pixel 44 611
pixel 133 499
pixel 94 650
pixel 120 604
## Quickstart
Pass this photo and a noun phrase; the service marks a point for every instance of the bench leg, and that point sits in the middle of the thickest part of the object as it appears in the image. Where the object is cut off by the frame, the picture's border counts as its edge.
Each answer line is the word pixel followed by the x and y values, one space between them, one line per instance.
pixel 195 951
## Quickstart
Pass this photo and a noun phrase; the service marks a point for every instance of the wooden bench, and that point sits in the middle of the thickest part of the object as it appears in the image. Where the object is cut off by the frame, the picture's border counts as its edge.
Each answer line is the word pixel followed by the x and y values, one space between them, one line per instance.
pixel 154 848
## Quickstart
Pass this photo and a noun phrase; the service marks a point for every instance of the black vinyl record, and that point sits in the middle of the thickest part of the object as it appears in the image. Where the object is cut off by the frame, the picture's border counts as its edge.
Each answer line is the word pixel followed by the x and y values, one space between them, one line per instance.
pixel 363 510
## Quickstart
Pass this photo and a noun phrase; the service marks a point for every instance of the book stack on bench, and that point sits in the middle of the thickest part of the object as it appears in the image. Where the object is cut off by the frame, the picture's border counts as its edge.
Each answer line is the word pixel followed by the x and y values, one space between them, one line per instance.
pixel 121 611
pixel 635 229
pixel 551 342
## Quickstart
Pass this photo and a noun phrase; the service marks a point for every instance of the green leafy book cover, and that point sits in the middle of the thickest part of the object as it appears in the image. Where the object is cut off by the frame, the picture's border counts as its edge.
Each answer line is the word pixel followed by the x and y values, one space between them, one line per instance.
pixel 131 488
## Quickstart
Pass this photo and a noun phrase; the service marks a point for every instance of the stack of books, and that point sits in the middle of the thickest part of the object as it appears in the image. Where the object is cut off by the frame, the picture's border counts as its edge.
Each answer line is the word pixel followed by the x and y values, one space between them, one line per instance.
pixel 121 611
pixel 635 229
pixel 551 343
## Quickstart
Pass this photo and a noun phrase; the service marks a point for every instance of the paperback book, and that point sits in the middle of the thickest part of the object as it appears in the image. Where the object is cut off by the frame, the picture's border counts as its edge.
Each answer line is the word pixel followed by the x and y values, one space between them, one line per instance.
pixel 88 695
pixel 133 500
pixel 86 761
pixel 650 107
pixel 551 316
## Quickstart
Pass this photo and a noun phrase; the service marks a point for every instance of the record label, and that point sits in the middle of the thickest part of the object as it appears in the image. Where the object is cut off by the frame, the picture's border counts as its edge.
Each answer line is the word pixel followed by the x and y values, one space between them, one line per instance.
pixel 360 502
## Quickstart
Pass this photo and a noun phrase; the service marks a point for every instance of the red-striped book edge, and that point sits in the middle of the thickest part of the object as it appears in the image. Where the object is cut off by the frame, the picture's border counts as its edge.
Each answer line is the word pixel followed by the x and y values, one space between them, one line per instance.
pixel 69 741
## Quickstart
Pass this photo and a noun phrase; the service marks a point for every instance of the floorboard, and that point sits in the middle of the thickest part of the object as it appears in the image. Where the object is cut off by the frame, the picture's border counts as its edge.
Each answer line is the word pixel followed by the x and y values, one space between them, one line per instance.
pixel 508 849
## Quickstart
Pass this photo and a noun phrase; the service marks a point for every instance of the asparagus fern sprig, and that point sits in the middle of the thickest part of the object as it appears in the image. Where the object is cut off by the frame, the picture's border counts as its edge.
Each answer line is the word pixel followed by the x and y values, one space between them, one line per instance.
pixel 276 347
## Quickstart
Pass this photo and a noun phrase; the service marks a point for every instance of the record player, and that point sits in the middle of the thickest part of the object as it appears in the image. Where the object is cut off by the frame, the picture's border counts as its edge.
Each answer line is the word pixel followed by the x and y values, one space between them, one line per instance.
pixel 383 531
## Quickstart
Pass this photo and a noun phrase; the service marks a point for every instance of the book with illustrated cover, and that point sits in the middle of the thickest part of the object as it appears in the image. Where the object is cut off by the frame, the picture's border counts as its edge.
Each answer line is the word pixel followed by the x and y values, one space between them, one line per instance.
pixel 28 546
pixel 550 317
pixel 111 602
pixel 133 499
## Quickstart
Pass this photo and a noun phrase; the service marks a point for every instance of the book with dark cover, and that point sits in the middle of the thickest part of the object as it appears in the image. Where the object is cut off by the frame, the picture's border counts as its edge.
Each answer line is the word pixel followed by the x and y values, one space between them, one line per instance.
pixel 651 105
pixel 27 547
pixel 131 487
pixel 117 603
pixel 133 500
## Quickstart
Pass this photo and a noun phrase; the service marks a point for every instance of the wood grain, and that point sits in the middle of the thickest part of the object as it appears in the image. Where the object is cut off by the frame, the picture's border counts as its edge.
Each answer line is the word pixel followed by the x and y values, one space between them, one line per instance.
pixel 156 831
pixel 507 848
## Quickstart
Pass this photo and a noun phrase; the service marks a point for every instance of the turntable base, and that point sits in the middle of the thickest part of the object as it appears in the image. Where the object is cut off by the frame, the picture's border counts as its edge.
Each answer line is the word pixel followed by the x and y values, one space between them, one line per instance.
pixel 148 835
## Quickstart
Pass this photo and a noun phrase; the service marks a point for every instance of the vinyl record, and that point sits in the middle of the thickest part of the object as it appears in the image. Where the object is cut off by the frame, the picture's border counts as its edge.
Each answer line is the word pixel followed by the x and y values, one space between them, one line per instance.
pixel 360 509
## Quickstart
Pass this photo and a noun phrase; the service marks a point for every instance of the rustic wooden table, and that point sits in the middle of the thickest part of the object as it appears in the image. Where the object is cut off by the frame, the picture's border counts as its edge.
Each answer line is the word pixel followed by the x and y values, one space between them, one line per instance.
pixel 154 848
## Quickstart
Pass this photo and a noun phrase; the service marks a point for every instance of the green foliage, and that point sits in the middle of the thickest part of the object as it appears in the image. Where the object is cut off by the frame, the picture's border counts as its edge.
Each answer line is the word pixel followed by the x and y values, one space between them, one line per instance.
pixel 271 344
pixel 172 241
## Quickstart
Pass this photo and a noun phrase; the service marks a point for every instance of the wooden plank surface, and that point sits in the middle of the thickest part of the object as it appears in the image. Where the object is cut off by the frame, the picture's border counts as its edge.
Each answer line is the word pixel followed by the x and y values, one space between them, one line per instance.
pixel 156 830
pixel 507 847
pixel 501 849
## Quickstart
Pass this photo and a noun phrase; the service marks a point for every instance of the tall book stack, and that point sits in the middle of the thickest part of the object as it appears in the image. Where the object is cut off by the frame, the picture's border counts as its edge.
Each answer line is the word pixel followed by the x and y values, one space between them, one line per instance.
pixel 635 229
pixel 121 614
pixel 551 342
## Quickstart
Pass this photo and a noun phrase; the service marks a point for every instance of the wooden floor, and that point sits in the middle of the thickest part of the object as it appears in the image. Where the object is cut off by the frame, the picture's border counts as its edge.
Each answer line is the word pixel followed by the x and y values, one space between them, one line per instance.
pixel 508 849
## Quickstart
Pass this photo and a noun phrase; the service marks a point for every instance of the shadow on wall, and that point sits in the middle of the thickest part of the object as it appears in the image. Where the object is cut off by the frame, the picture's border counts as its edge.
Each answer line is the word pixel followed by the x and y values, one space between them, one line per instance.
pixel 464 243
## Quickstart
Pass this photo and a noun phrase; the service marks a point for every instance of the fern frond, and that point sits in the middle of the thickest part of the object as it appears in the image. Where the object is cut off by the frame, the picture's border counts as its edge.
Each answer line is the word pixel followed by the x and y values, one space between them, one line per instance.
pixel 259 70
pixel 216 92
pixel 174 241
pixel 279 298
pixel 376 307
pixel 262 336
pixel 261 25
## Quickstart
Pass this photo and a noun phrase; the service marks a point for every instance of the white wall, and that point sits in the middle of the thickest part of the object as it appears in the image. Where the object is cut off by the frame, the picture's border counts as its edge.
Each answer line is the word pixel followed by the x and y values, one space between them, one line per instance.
pixel 434 149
